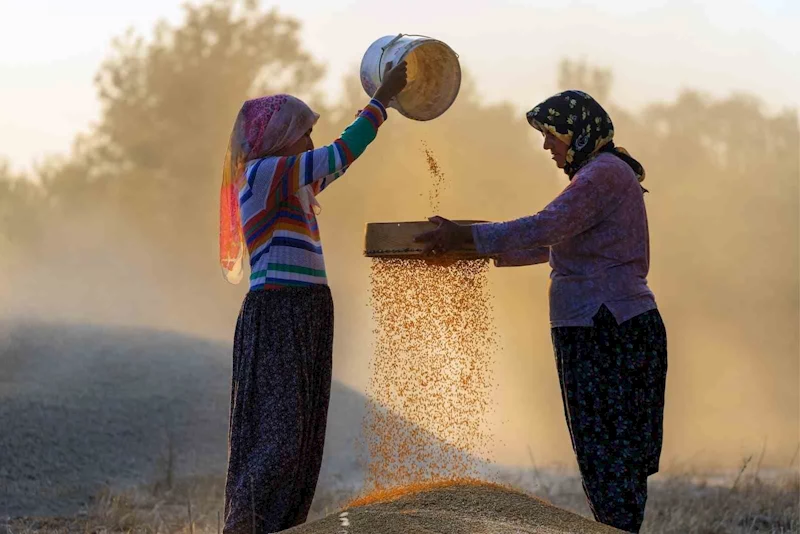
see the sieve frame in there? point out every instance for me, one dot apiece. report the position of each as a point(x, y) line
point(395, 240)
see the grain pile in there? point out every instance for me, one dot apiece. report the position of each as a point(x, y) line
point(431, 371)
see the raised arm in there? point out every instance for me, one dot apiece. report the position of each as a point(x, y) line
point(277, 178)
point(353, 142)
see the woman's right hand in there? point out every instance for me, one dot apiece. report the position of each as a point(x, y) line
point(394, 81)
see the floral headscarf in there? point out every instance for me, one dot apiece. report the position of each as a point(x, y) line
point(263, 127)
point(581, 123)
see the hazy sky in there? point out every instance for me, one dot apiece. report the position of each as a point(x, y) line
point(50, 50)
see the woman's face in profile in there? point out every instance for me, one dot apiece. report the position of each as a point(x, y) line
point(557, 148)
point(304, 144)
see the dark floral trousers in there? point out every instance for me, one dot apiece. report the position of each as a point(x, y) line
point(282, 363)
point(613, 379)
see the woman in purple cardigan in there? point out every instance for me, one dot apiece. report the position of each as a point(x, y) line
point(610, 342)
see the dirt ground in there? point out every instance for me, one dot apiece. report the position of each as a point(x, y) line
point(118, 430)
point(88, 408)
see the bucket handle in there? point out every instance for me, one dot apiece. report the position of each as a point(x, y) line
point(397, 38)
point(383, 51)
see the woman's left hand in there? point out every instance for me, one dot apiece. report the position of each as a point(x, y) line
point(446, 237)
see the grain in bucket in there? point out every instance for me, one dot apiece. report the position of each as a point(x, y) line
point(434, 74)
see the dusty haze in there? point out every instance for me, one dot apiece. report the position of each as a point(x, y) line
point(123, 228)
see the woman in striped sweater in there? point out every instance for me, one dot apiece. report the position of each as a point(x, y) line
point(282, 353)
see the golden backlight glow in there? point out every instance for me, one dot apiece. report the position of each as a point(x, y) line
point(123, 228)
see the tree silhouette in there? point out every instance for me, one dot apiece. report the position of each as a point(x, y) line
point(169, 105)
point(149, 171)
point(133, 209)
point(20, 201)
point(581, 75)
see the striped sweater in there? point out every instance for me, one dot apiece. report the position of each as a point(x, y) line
point(282, 238)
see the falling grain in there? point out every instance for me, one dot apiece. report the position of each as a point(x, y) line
point(437, 176)
point(431, 372)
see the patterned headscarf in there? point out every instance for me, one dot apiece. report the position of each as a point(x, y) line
point(263, 127)
point(583, 125)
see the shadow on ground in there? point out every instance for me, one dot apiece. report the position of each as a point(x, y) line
point(85, 407)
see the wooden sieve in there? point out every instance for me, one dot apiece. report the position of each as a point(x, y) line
point(396, 240)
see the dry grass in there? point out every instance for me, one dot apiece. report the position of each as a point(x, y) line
point(193, 505)
point(682, 503)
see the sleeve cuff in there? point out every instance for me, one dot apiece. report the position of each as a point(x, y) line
point(375, 113)
point(377, 104)
point(484, 236)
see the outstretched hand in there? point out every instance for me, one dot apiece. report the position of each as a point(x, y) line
point(447, 236)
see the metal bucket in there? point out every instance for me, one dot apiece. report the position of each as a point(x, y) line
point(434, 74)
